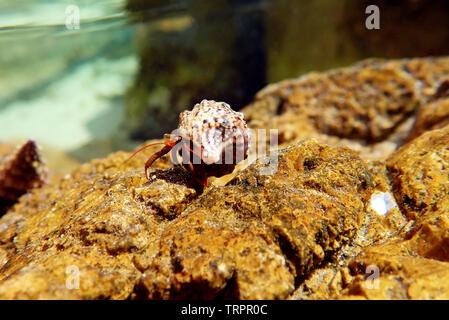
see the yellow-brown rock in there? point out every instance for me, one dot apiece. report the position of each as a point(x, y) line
point(434, 115)
point(400, 277)
point(365, 107)
point(257, 236)
point(367, 196)
point(126, 237)
point(414, 263)
point(420, 172)
point(91, 223)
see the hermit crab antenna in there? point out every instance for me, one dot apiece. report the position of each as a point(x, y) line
point(188, 148)
point(143, 148)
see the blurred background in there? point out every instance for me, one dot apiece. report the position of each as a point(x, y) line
point(85, 78)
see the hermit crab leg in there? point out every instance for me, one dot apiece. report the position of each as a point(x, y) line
point(169, 144)
point(197, 171)
point(156, 156)
point(198, 174)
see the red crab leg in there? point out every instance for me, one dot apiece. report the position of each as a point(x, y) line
point(169, 144)
point(157, 155)
point(198, 174)
point(197, 171)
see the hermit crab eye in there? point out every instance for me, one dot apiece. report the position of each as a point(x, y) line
point(172, 137)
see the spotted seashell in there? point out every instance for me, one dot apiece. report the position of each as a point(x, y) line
point(215, 127)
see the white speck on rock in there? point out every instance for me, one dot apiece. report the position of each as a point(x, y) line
point(382, 202)
point(222, 268)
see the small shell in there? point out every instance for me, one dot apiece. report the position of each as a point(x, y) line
point(20, 172)
point(215, 127)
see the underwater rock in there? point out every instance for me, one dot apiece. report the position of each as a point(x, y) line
point(291, 52)
point(20, 171)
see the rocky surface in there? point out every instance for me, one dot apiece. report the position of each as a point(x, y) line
point(254, 238)
point(414, 263)
point(369, 107)
point(353, 205)
point(433, 115)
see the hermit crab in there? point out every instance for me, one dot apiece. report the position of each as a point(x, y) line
point(209, 141)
